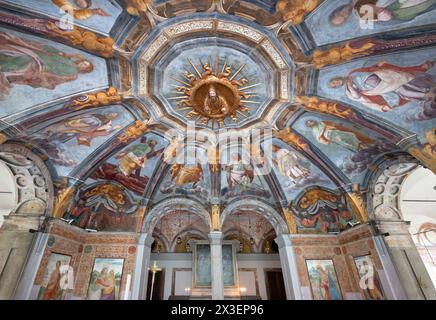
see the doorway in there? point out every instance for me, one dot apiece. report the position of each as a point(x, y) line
point(159, 285)
point(275, 286)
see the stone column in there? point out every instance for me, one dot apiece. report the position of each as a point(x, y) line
point(140, 277)
point(289, 267)
point(407, 262)
point(216, 259)
point(27, 279)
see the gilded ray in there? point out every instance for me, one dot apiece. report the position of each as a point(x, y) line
point(195, 68)
point(237, 72)
point(214, 95)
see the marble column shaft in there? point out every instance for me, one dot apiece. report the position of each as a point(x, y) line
point(216, 256)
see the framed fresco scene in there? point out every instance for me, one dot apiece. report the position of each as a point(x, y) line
point(369, 280)
point(53, 285)
point(105, 279)
point(323, 280)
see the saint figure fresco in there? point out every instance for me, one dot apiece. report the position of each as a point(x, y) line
point(323, 280)
point(34, 64)
point(290, 165)
point(83, 129)
point(382, 10)
point(384, 86)
point(239, 173)
point(329, 132)
point(80, 9)
point(57, 267)
point(369, 280)
point(105, 279)
point(134, 158)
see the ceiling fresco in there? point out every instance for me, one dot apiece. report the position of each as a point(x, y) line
point(108, 92)
point(336, 21)
point(97, 15)
point(66, 72)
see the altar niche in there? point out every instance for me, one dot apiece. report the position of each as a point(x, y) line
point(202, 273)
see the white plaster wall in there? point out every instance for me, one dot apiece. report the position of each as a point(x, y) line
point(260, 262)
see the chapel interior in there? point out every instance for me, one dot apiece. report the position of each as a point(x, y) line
point(217, 149)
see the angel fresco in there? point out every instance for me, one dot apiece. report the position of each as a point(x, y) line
point(290, 165)
point(82, 128)
point(80, 9)
point(384, 86)
point(329, 132)
point(130, 163)
point(134, 158)
point(34, 64)
point(186, 179)
point(322, 210)
point(382, 10)
point(181, 174)
point(239, 173)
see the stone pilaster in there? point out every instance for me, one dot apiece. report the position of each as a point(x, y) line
point(289, 267)
point(140, 277)
point(406, 260)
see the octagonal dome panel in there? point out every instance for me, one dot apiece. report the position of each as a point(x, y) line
point(216, 71)
point(252, 73)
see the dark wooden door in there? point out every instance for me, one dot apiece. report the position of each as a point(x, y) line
point(158, 289)
point(275, 287)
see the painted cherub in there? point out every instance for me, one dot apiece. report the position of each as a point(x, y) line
point(135, 7)
point(295, 11)
point(87, 39)
point(105, 98)
point(80, 9)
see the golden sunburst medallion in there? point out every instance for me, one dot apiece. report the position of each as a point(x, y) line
point(213, 93)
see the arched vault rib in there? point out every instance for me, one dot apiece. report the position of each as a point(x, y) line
point(259, 207)
point(174, 204)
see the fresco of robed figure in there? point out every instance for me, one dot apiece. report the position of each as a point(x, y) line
point(26, 62)
point(323, 280)
point(382, 10)
point(385, 86)
point(340, 20)
point(34, 71)
point(329, 132)
point(96, 15)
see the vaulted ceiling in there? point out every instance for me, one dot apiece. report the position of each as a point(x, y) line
point(107, 91)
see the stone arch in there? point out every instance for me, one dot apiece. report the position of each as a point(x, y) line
point(269, 237)
point(184, 233)
point(162, 241)
point(30, 180)
point(170, 205)
point(32, 202)
point(242, 237)
point(272, 215)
